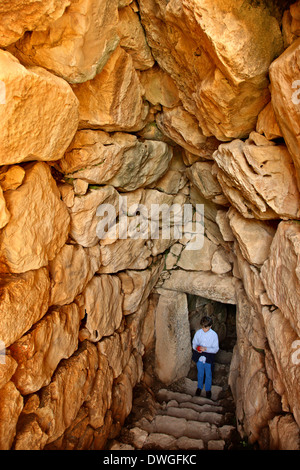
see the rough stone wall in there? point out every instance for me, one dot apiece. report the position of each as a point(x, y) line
point(164, 102)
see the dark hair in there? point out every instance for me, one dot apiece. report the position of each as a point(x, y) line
point(206, 321)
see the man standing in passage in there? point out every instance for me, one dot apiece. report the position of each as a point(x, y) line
point(206, 342)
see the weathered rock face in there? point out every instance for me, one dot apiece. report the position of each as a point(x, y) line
point(259, 180)
point(35, 233)
point(38, 353)
point(113, 100)
point(24, 300)
point(78, 44)
point(121, 121)
point(222, 71)
point(119, 159)
point(285, 98)
point(18, 17)
point(177, 362)
point(28, 134)
point(283, 259)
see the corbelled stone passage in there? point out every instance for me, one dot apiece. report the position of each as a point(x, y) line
point(224, 323)
point(121, 119)
point(168, 416)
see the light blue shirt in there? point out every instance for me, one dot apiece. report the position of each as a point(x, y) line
point(208, 339)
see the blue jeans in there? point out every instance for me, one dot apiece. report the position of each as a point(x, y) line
point(208, 375)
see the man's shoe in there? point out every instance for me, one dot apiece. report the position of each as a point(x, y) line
point(208, 394)
point(198, 392)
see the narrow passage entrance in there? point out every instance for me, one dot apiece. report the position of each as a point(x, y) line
point(224, 323)
point(170, 416)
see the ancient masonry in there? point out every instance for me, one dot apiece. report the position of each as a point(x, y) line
point(183, 103)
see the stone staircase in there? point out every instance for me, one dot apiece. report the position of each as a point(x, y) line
point(176, 419)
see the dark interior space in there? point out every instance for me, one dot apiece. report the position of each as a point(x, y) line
point(224, 323)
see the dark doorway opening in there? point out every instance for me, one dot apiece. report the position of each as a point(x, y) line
point(224, 323)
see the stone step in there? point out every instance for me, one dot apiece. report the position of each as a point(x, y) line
point(183, 421)
point(180, 427)
point(216, 445)
point(199, 408)
point(160, 441)
point(189, 387)
point(191, 415)
point(164, 395)
point(138, 438)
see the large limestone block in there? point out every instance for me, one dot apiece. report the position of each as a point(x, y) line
point(200, 174)
point(101, 435)
point(249, 322)
point(113, 100)
point(48, 414)
point(221, 262)
point(210, 208)
point(171, 182)
point(18, 17)
point(135, 324)
point(126, 244)
point(284, 76)
point(117, 349)
point(38, 228)
point(258, 180)
point(125, 254)
point(280, 273)
point(133, 40)
point(70, 271)
point(159, 87)
point(122, 397)
point(39, 351)
point(251, 388)
point(24, 300)
point(218, 55)
point(147, 337)
point(95, 155)
point(198, 260)
point(101, 307)
point(142, 165)
point(275, 377)
point(137, 285)
point(204, 284)
point(78, 44)
point(254, 236)
point(175, 179)
point(78, 436)
point(7, 366)
point(11, 177)
point(99, 399)
point(224, 226)
point(284, 433)
point(120, 160)
point(267, 123)
point(284, 345)
point(291, 24)
point(84, 215)
point(162, 217)
point(11, 404)
point(252, 282)
point(183, 128)
point(4, 213)
point(40, 115)
point(173, 341)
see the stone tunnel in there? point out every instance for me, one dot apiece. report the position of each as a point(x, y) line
point(116, 114)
